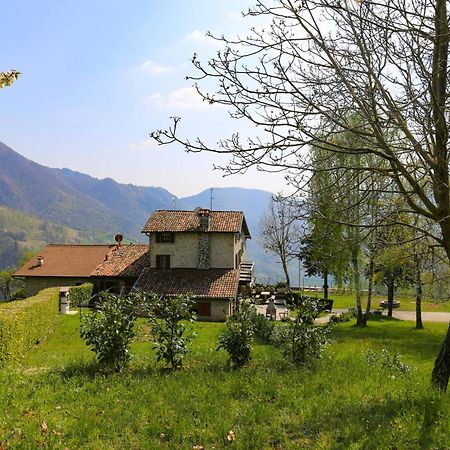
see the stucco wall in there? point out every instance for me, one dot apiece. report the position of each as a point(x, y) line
point(222, 250)
point(35, 284)
point(220, 310)
point(183, 252)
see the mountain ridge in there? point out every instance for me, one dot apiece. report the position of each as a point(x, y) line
point(81, 202)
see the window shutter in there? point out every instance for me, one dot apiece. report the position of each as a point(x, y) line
point(172, 237)
point(158, 237)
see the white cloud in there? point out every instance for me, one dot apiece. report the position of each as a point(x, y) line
point(180, 99)
point(154, 68)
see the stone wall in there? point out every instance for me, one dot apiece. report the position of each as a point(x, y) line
point(203, 251)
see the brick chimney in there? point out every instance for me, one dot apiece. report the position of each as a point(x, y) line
point(40, 261)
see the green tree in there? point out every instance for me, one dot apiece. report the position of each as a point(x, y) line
point(9, 283)
point(299, 85)
point(168, 319)
point(110, 330)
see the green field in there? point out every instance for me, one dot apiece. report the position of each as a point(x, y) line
point(340, 403)
point(347, 300)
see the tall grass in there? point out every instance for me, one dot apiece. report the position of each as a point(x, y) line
point(339, 403)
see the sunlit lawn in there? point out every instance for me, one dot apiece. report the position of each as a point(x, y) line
point(347, 300)
point(340, 403)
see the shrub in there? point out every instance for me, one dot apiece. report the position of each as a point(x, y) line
point(237, 339)
point(341, 317)
point(80, 295)
point(300, 340)
point(385, 361)
point(24, 323)
point(109, 331)
point(19, 294)
point(263, 327)
point(167, 317)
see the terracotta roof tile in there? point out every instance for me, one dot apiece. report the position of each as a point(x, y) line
point(213, 283)
point(66, 261)
point(183, 221)
point(126, 261)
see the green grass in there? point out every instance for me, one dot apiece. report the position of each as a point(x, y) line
point(340, 403)
point(347, 300)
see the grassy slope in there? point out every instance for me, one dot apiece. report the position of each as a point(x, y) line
point(340, 403)
point(32, 233)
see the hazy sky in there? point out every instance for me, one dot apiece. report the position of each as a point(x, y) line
point(99, 75)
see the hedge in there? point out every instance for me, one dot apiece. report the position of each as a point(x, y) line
point(24, 323)
point(80, 295)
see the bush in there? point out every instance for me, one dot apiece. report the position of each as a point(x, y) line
point(109, 331)
point(237, 339)
point(300, 340)
point(19, 294)
point(24, 323)
point(385, 361)
point(263, 327)
point(80, 295)
point(167, 317)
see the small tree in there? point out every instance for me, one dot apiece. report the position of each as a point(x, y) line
point(9, 283)
point(168, 318)
point(109, 331)
point(300, 340)
point(237, 338)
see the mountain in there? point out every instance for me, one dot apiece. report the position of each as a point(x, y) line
point(68, 206)
point(21, 233)
point(74, 199)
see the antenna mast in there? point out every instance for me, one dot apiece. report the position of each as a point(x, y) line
point(211, 198)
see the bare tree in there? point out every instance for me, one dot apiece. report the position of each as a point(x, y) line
point(277, 233)
point(301, 77)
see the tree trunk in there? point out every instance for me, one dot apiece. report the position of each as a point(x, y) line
point(370, 287)
point(325, 285)
point(391, 288)
point(418, 289)
point(286, 273)
point(441, 369)
point(360, 319)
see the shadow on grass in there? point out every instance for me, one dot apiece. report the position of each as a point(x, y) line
point(380, 424)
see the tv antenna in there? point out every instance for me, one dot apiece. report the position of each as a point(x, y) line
point(211, 198)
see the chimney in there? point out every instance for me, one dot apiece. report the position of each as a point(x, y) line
point(203, 257)
point(40, 261)
point(204, 217)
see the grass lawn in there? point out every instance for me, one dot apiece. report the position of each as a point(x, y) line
point(347, 300)
point(340, 403)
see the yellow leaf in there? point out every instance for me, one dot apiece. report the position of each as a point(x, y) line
point(231, 436)
point(44, 427)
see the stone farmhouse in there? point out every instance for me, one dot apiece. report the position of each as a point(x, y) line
point(200, 252)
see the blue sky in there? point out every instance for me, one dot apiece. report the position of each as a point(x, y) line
point(99, 75)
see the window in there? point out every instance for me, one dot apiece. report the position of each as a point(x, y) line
point(163, 261)
point(165, 237)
